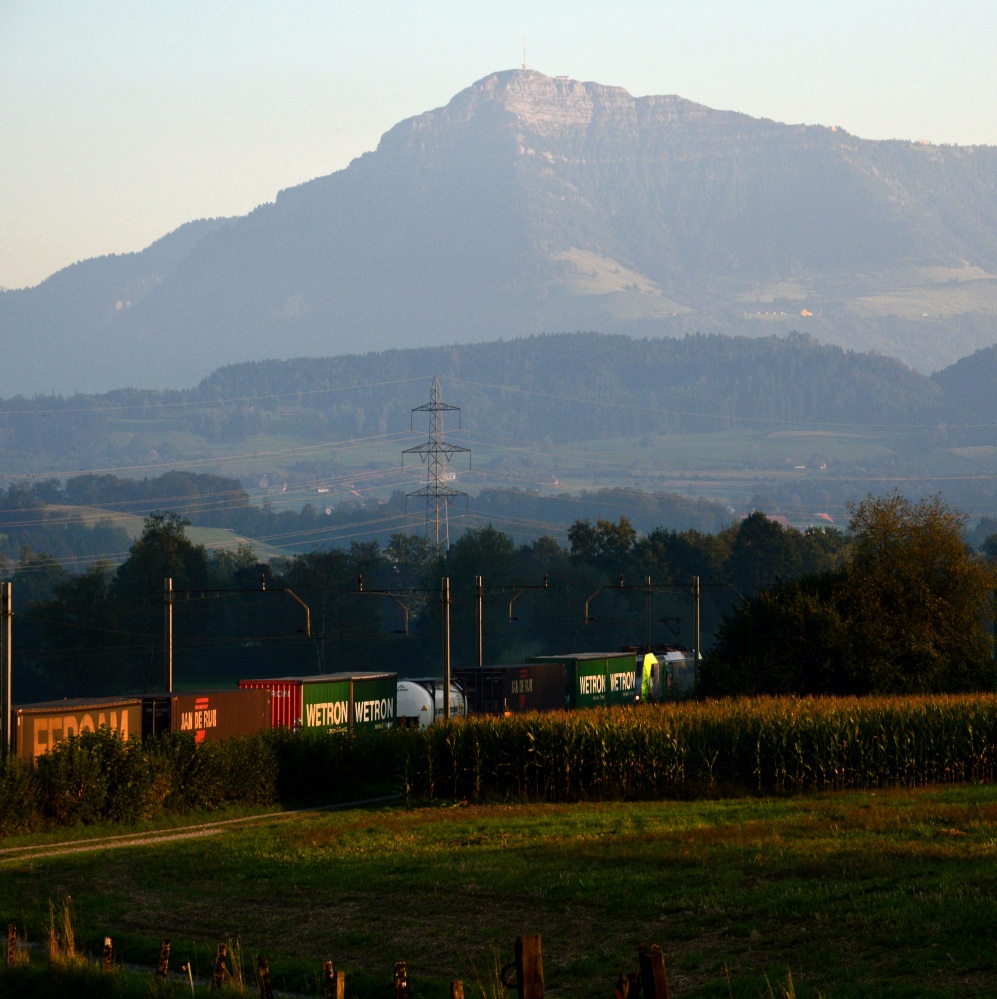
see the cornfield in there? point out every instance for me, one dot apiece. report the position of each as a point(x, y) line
point(689, 749)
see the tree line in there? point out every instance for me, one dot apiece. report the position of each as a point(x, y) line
point(101, 631)
point(899, 603)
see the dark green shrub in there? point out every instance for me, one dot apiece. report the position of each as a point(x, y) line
point(249, 766)
point(189, 777)
point(129, 779)
point(92, 777)
point(196, 778)
point(18, 809)
point(71, 783)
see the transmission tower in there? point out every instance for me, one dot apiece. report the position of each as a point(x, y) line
point(436, 454)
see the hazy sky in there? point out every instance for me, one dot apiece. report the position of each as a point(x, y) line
point(122, 119)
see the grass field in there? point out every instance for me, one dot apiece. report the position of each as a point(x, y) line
point(132, 524)
point(727, 466)
point(891, 894)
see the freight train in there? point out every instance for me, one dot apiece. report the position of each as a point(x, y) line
point(207, 715)
point(334, 702)
point(352, 702)
point(551, 683)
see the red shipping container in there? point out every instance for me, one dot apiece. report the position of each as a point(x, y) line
point(285, 700)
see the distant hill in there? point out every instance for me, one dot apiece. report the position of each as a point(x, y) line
point(528, 205)
point(969, 388)
point(558, 388)
point(592, 386)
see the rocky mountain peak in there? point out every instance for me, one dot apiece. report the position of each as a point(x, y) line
point(523, 99)
point(528, 102)
point(543, 103)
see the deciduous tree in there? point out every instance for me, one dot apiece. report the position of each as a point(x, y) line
point(909, 612)
point(919, 599)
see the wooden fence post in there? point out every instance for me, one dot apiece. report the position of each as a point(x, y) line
point(333, 982)
point(163, 968)
point(401, 980)
point(263, 970)
point(105, 958)
point(219, 976)
point(11, 945)
point(652, 971)
point(529, 967)
point(625, 983)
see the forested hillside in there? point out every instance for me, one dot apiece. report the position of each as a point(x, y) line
point(562, 388)
point(587, 386)
point(782, 423)
point(970, 402)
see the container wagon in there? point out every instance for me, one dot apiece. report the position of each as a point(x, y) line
point(510, 689)
point(39, 727)
point(331, 702)
point(209, 715)
point(420, 701)
point(598, 679)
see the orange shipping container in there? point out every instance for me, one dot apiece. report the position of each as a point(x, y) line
point(39, 727)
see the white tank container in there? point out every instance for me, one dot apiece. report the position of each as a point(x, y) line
point(422, 700)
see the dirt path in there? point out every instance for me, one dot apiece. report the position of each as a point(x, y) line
point(12, 854)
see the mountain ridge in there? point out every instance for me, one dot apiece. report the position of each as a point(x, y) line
point(532, 204)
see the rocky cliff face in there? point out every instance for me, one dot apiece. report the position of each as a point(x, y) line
point(534, 204)
point(553, 107)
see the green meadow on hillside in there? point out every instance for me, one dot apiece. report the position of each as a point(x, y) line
point(889, 893)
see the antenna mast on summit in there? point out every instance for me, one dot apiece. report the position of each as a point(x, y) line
point(524, 51)
point(436, 453)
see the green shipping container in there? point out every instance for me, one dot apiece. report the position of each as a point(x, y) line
point(325, 705)
point(331, 702)
point(374, 697)
point(588, 681)
point(623, 681)
point(598, 679)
